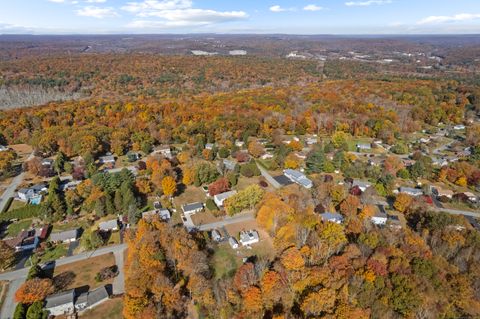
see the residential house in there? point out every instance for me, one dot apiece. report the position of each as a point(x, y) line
point(67, 236)
point(440, 192)
point(266, 156)
point(216, 236)
point(3, 148)
point(239, 143)
point(298, 177)
point(220, 198)
point(361, 185)
point(439, 162)
point(229, 165)
point(380, 218)
point(47, 162)
point(408, 162)
point(162, 213)
point(332, 217)
point(107, 160)
point(394, 222)
point(133, 156)
point(471, 197)
point(164, 150)
point(411, 191)
point(233, 242)
point(424, 140)
point(33, 192)
point(209, 146)
point(61, 304)
point(25, 240)
point(109, 225)
point(249, 237)
point(311, 140)
point(91, 299)
point(459, 127)
point(190, 209)
point(363, 147)
point(69, 185)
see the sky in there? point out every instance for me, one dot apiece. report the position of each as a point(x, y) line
point(240, 16)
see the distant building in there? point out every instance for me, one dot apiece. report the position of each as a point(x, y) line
point(411, 191)
point(364, 147)
point(209, 146)
point(220, 198)
point(3, 148)
point(107, 159)
point(440, 192)
point(237, 52)
point(47, 162)
point(163, 150)
point(459, 127)
point(380, 218)
point(233, 242)
point(239, 143)
point(61, 304)
point(361, 185)
point(298, 177)
point(190, 209)
point(230, 165)
point(249, 237)
point(332, 217)
point(67, 236)
point(311, 140)
point(162, 213)
point(109, 225)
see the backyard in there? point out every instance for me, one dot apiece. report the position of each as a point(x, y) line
point(111, 309)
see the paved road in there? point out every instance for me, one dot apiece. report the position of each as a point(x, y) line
point(228, 221)
point(119, 281)
point(269, 177)
point(10, 190)
point(17, 277)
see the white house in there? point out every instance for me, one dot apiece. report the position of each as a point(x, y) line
point(109, 225)
point(239, 143)
point(61, 304)
point(220, 198)
point(27, 194)
point(107, 159)
point(311, 140)
point(444, 192)
point(249, 237)
point(162, 213)
point(233, 242)
point(190, 209)
point(471, 197)
point(298, 177)
point(3, 148)
point(411, 191)
point(332, 217)
point(209, 146)
point(379, 218)
point(459, 127)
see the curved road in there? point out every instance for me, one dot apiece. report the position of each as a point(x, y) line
point(10, 190)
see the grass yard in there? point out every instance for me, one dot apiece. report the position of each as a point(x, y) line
point(16, 204)
point(77, 223)
point(204, 218)
point(14, 229)
point(55, 253)
point(111, 309)
point(86, 270)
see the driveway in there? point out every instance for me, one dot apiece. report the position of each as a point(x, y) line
point(269, 177)
point(72, 247)
point(228, 221)
point(119, 281)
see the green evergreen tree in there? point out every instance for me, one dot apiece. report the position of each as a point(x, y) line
point(20, 312)
point(59, 163)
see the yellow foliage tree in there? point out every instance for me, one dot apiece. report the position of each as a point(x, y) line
point(188, 176)
point(169, 186)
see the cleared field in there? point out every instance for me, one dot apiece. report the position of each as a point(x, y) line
point(86, 270)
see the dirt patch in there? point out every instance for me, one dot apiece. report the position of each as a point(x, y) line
point(85, 271)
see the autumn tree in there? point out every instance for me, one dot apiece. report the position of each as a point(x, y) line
point(402, 202)
point(245, 199)
point(34, 290)
point(221, 185)
point(7, 255)
point(188, 176)
point(256, 149)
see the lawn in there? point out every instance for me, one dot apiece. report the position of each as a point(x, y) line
point(111, 309)
point(14, 229)
point(86, 270)
point(77, 223)
point(16, 204)
point(55, 253)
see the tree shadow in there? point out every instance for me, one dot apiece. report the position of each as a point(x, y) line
point(63, 280)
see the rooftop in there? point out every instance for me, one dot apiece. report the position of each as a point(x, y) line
point(60, 299)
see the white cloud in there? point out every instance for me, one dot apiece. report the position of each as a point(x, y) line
point(96, 1)
point(57, 1)
point(176, 13)
point(97, 12)
point(445, 19)
point(312, 7)
point(367, 3)
point(278, 8)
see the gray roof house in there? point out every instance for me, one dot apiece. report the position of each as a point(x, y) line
point(92, 298)
point(109, 225)
point(298, 177)
point(380, 218)
point(107, 159)
point(209, 146)
point(249, 237)
point(220, 198)
point(162, 213)
point(61, 304)
point(364, 146)
point(233, 242)
point(230, 165)
point(411, 191)
point(361, 185)
point(67, 236)
point(192, 208)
